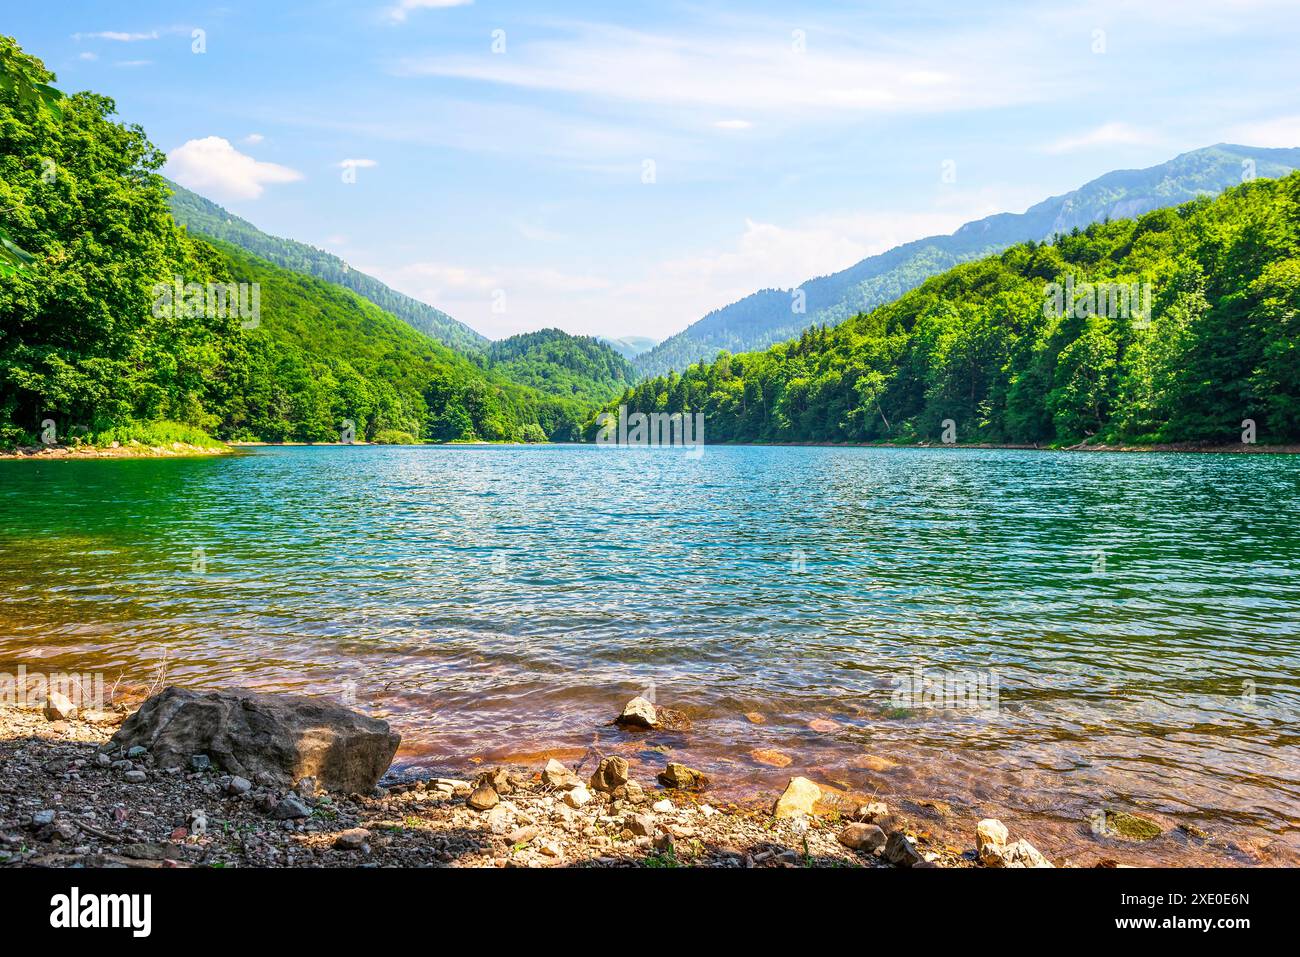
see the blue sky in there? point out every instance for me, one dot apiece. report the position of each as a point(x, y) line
point(621, 169)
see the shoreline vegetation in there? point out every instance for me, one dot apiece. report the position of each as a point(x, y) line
point(134, 449)
point(182, 782)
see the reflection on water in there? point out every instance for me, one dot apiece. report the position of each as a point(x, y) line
point(1136, 615)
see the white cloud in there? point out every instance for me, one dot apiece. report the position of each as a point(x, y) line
point(755, 72)
point(734, 125)
point(216, 169)
point(404, 8)
point(87, 56)
point(132, 64)
point(254, 138)
point(358, 164)
point(1108, 134)
point(1281, 131)
point(117, 36)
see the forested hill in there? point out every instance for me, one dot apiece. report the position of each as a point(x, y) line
point(556, 363)
point(768, 316)
point(323, 354)
point(998, 347)
point(206, 218)
point(87, 244)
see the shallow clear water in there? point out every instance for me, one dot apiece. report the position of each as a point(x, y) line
point(1140, 614)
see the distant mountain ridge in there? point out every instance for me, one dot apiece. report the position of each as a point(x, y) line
point(768, 316)
point(629, 347)
point(205, 217)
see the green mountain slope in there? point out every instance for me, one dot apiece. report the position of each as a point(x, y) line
point(768, 316)
point(92, 337)
point(558, 364)
point(322, 353)
point(996, 351)
point(204, 217)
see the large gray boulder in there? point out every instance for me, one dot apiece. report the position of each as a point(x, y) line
point(289, 737)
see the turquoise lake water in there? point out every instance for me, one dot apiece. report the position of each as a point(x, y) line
point(1131, 621)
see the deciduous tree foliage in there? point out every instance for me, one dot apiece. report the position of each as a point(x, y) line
point(982, 345)
point(81, 342)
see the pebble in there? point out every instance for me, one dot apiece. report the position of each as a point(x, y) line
point(289, 808)
point(578, 797)
point(483, 798)
point(352, 839)
point(238, 785)
point(135, 777)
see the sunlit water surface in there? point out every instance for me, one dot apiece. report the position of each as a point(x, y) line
point(1140, 614)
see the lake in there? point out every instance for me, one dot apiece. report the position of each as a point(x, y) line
point(1099, 631)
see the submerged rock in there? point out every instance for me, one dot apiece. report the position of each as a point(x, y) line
point(1131, 827)
point(771, 757)
point(286, 737)
point(798, 799)
point(680, 776)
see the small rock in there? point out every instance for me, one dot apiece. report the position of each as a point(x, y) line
point(352, 839)
point(42, 818)
point(799, 797)
point(524, 835)
point(136, 752)
point(290, 807)
point(559, 777)
point(862, 837)
point(900, 851)
point(483, 798)
point(680, 776)
point(663, 807)
point(1131, 826)
point(632, 792)
point(1024, 854)
point(990, 841)
point(873, 812)
point(642, 825)
point(771, 757)
point(200, 762)
point(103, 760)
point(307, 788)
point(134, 777)
point(238, 786)
point(578, 797)
point(611, 773)
point(58, 707)
point(499, 779)
point(638, 713)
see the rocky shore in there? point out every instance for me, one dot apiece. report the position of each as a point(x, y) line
point(104, 789)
